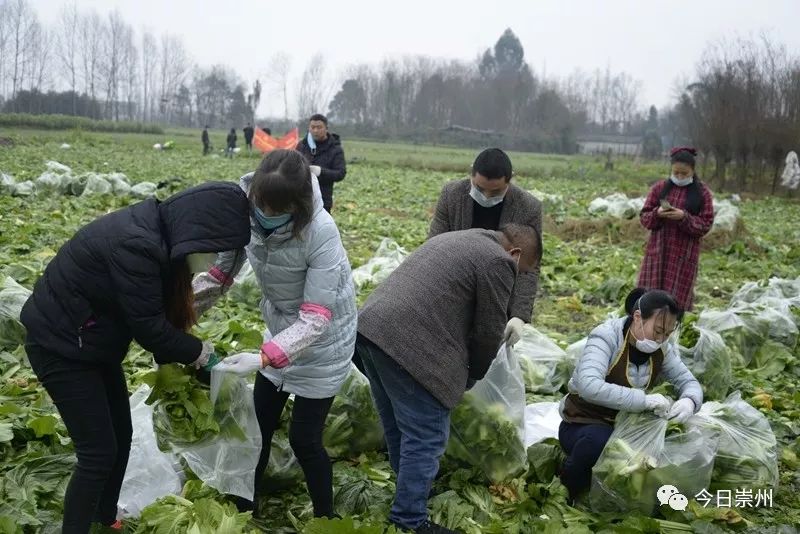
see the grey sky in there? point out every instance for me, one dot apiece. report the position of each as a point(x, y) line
point(656, 41)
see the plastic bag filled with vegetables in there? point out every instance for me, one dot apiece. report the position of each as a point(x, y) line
point(12, 298)
point(353, 425)
point(644, 453)
point(710, 361)
point(747, 454)
point(546, 367)
point(742, 332)
point(386, 259)
point(487, 428)
point(183, 413)
point(227, 461)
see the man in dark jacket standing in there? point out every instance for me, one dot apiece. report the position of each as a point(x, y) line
point(324, 149)
point(489, 200)
point(205, 140)
point(425, 335)
point(120, 278)
point(248, 136)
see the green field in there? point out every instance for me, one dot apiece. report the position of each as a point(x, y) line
point(390, 191)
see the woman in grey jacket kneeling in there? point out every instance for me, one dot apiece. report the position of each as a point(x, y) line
point(623, 358)
point(308, 303)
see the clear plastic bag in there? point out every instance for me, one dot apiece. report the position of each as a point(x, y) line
point(726, 215)
point(710, 360)
point(150, 474)
point(96, 185)
point(742, 332)
point(546, 367)
point(542, 420)
point(353, 425)
point(227, 461)
point(487, 428)
point(24, 189)
point(7, 184)
point(12, 298)
point(245, 287)
point(144, 190)
point(747, 452)
point(641, 456)
point(386, 259)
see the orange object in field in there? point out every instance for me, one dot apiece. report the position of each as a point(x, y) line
point(265, 143)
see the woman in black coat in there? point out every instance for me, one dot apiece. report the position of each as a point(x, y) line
point(124, 276)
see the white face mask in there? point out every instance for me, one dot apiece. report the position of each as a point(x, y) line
point(201, 262)
point(648, 346)
point(681, 182)
point(483, 200)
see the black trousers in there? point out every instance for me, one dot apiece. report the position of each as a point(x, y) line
point(305, 438)
point(93, 402)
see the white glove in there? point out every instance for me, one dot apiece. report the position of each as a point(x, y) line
point(513, 331)
point(242, 363)
point(658, 403)
point(682, 410)
point(206, 355)
point(207, 290)
point(316, 170)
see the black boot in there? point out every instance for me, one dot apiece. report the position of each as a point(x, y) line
point(429, 527)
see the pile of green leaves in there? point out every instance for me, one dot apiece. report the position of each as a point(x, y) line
point(193, 514)
point(353, 426)
point(484, 436)
point(182, 410)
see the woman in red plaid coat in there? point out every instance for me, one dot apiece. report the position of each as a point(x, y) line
point(678, 212)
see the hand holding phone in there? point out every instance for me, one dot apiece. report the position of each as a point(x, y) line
point(665, 205)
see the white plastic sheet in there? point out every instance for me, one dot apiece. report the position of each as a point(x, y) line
point(542, 420)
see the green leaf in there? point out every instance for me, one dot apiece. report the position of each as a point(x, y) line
point(44, 425)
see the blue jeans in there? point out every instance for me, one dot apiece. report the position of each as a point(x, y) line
point(583, 444)
point(416, 426)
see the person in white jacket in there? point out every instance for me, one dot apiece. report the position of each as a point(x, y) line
point(623, 358)
point(309, 306)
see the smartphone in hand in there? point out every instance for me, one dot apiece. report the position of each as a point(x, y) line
point(665, 205)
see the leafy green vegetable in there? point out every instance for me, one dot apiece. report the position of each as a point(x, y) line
point(353, 426)
point(483, 436)
point(182, 410)
point(710, 361)
point(177, 515)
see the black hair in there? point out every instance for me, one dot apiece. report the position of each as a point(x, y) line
point(267, 131)
point(526, 238)
point(494, 164)
point(651, 302)
point(233, 130)
point(283, 182)
point(694, 194)
point(319, 117)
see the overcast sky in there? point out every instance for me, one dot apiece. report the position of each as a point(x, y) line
point(656, 41)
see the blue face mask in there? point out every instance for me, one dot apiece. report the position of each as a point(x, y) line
point(270, 223)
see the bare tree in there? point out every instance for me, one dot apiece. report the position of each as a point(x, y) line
point(92, 33)
point(311, 87)
point(67, 50)
point(172, 69)
point(149, 62)
point(113, 48)
point(39, 53)
point(280, 67)
point(22, 20)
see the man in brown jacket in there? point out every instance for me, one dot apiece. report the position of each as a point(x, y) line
point(425, 335)
point(489, 200)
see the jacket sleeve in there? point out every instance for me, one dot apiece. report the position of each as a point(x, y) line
point(676, 373)
point(590, 376)
point(649, 214)
point(325, 259)
point(336, 171)
point(527, 284)
point(700, 224)
point(493, 293)
point(136, 277)
point(441, 221)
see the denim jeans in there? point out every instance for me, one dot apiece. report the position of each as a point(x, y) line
point(583, 444)
point(416, 426)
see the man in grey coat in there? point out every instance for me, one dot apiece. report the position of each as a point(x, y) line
point(489, 200)
point(425, 335)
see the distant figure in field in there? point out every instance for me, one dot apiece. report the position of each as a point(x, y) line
point(248, 137)
point(231, 143)
point(205, 140)
point(324, 150)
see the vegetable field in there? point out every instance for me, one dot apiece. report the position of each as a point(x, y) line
point(589, 265)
